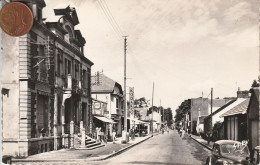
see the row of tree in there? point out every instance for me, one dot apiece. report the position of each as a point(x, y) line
point(165, 112)
point(182, 110)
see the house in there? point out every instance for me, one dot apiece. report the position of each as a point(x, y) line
point(202, 107)
point(48, 77)
point(213, 118)
point(101, 119)
point(235, 121)
point(109, 91)
point(253, 116)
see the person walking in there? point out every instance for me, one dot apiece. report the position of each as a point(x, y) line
point(114, 135)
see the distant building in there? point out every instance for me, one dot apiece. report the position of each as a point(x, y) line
point(202, 107)
point(109, 91)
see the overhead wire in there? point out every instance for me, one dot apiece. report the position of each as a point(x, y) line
point(106, 14)
point(118, 27)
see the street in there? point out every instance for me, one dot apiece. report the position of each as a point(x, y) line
point(163, 149)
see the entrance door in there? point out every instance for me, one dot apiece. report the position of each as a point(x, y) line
point(67, 111)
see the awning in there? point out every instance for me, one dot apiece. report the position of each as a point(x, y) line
point(138, 121)
point(104, 119)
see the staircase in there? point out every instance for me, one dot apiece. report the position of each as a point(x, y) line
point(90, 142)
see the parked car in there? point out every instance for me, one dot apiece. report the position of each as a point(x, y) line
point(256, 155)
point(229, 152)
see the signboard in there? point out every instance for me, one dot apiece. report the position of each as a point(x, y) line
point(131, 100)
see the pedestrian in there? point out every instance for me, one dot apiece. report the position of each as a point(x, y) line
point(183, 134)
point(167, 129)
point(208, 134)
point(114, 135)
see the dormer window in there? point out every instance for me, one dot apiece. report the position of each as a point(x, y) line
point(69, 35)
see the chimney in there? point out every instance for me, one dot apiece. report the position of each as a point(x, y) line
point(242, 94)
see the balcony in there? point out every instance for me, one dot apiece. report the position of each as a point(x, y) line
point(76, 86)
point(67, 82)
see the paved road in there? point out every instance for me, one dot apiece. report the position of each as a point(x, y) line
point(163, 149)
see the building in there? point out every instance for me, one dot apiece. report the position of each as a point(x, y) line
point(48, 77)
point(213, 118)
point(109, 91)
point(101, 119)
point(235, 122)
point(253, 116)
point(202, 107)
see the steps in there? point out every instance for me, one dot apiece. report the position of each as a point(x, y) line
point(89, 142)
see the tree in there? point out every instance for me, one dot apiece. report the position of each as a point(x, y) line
point(255, 84)
point(142, 102)
point(182, 110)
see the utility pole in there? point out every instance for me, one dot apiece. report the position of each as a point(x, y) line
point(125, 102)
point(152, 109)
point(211, 100)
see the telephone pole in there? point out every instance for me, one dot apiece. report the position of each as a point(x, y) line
point(152, 109)
point(211, 100)
point(125, 102)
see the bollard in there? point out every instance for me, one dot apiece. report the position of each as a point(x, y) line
point(71, 134)
point(83, 139)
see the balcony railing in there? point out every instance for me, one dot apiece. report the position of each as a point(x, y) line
point(67, 81)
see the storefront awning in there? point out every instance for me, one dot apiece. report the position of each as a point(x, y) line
point(138, 121)
point(104, 119)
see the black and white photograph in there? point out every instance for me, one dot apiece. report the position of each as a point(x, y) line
point(130, 82)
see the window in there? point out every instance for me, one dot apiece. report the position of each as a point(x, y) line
point(117, 103)
point(85, 83)
point(42, 115)
point(69, 67)
point(59, 63)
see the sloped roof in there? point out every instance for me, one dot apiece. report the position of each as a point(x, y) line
point(218, 102)
point(106, 85)
point(221, 108)
point(239, 109)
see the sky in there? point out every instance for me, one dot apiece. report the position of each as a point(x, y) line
point(184, 47)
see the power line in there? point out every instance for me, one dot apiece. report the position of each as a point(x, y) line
point(113, 18)
point(105, 12)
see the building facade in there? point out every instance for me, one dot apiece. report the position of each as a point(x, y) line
point(48, 78)
point(109, 91)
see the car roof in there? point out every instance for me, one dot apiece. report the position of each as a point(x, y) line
point(226, 142)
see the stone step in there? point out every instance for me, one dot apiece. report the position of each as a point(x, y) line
point(90, 142)
point(94, 147)
point(93, 144)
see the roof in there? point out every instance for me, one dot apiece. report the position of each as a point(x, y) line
point(239, 109)
point(221, 108)
point(201, 119)
point(218, 102)
point(225, 142)
point(106, 84)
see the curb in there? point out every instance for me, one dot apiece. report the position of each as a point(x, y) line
point(79, 160)
point(122, 150)
point(204, 145)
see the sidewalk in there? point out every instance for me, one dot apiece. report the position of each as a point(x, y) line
point(72, 155)
point(202, 142)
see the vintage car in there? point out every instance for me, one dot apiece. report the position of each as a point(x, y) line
point(229, 152)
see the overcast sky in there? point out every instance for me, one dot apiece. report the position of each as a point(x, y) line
point(185, 47)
